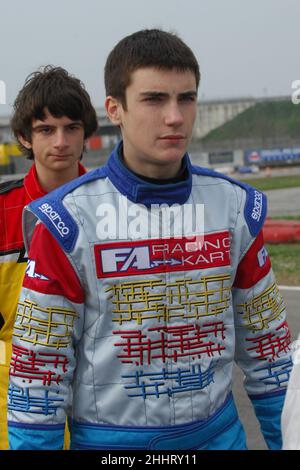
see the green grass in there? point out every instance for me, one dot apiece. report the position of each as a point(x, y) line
point(266, 119)
point(274, 182)
point(285, 259)
point(286, 217)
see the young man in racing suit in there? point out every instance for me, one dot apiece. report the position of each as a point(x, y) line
point(52, 118)
point(132, 313)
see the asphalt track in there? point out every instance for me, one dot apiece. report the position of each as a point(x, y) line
point(283, 202)
point(254, 437)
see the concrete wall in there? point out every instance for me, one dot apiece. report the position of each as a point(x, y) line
point(213, 114)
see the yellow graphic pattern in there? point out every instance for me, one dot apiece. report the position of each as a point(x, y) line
point(48, 326)
point(262, 309)
point(183, 298)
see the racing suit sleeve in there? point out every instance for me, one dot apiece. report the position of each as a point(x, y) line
point(47, 329)
point(262, 337)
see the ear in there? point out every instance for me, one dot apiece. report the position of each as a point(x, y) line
point(24, 142)
point(114, 110)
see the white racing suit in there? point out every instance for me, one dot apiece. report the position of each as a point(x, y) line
point(129, 321)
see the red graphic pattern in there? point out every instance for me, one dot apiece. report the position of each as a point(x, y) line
point(170, 342)
point(269, 346)
point(29, 365)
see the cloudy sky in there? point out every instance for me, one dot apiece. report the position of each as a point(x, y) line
point(244, 47)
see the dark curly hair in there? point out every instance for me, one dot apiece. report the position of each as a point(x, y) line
point(58, 91)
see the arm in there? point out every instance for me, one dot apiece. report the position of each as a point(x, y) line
point(48, 326)
point(12, 268)
point(262, 335)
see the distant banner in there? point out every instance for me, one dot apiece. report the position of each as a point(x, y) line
point(272, 156)
point(220, 157)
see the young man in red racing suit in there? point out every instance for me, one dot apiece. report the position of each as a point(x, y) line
point(52, 118)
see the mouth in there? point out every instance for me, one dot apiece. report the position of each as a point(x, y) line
point(172, 138)
point(59, 156)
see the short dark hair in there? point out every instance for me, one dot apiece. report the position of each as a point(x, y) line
point(146, 48)
point(63, 94)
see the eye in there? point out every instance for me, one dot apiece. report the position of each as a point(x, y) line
point(153, 99)
point(74, 127)
point(45, 130)
point(188, 98)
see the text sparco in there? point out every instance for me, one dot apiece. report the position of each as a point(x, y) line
point(55, 219)
point(257, 209)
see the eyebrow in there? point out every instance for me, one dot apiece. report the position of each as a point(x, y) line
point(42, 126)
point(161, 94)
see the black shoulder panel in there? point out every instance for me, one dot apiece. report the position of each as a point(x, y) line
point(9, 185)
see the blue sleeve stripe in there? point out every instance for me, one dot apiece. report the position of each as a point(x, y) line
point(262, 396)
point(36, 426)
point(268, 410)
point(31, 438)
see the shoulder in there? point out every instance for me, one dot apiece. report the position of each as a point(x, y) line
point(52, 210)
point(8, 186)
point(252, 202)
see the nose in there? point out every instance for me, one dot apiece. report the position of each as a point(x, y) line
point(173, 116)
point(61, 140)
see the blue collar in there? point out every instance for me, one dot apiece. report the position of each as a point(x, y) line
point(142, 192)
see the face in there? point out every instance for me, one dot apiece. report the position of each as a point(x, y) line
point(57, 144)
point(158, 122)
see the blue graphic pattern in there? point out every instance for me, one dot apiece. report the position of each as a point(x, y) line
point(20, 399)
point(276, 373)
point(184, 381)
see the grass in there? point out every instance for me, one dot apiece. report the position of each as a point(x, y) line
point(280, 118)
point(274, 182)
point(286, 217)
point(285, 259)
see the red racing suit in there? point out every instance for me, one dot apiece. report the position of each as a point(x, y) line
point(14, 196)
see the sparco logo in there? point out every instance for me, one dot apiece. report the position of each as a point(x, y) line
point(55, 219)
point(256, 211)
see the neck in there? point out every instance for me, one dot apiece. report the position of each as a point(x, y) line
point(154, 171)
point(51, 180)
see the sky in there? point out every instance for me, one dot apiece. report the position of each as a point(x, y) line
point(244, 48)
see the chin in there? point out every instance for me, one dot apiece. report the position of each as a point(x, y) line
point(173, 156)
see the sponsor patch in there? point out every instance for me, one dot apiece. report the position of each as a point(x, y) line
point(162, 255)
point(55, 219)
point(257, 206)
point(30, 271)
point(262, 256)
